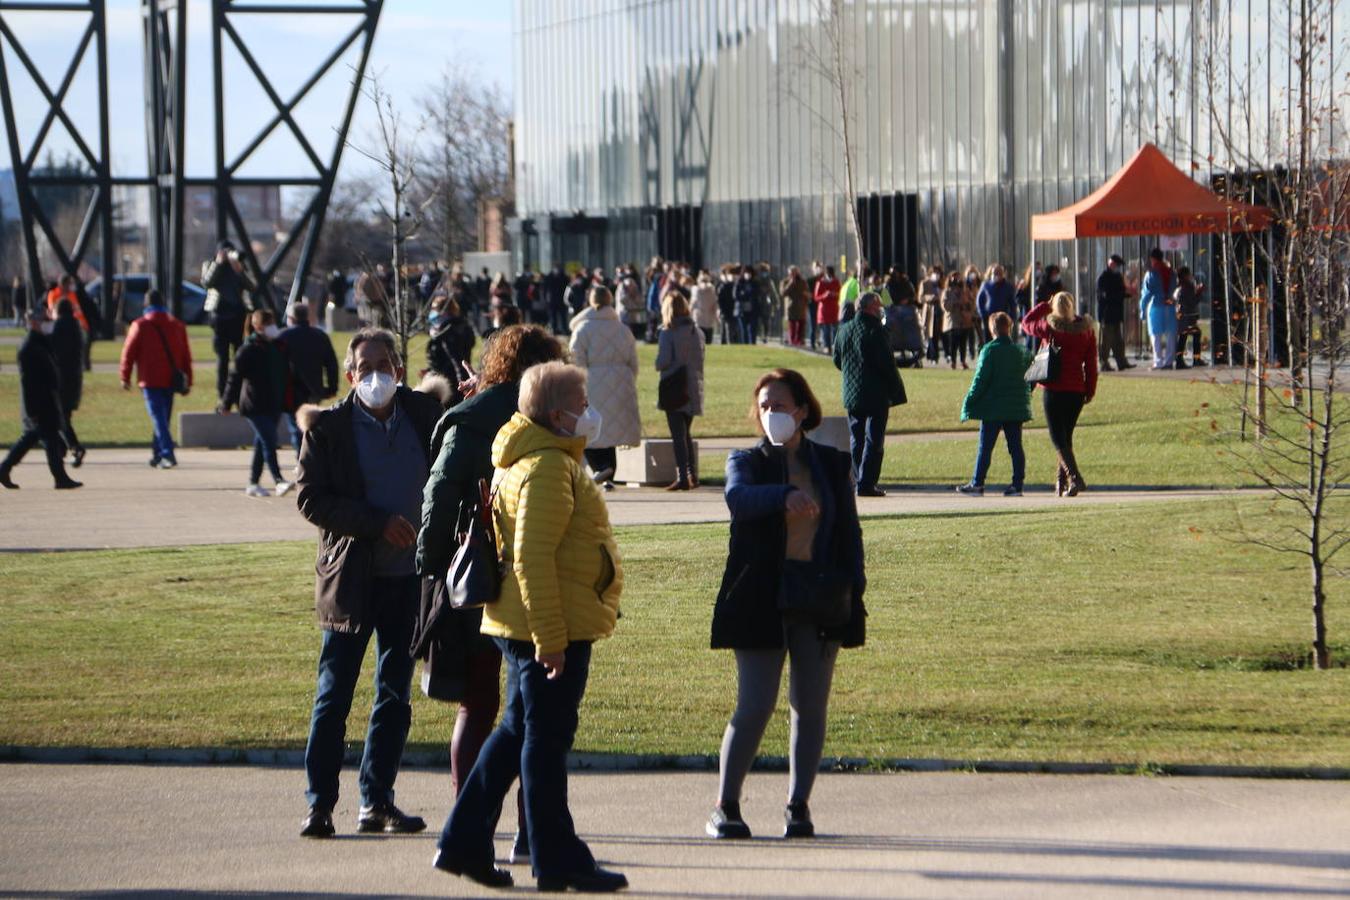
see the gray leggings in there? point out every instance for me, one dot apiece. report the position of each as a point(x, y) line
point(759, 672)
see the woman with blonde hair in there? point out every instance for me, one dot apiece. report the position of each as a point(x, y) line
point(1057, 320)
point(679, 355)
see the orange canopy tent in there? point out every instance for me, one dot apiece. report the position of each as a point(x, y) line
point(1149, 195)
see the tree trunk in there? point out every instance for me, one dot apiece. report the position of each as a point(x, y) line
point(1321, 654)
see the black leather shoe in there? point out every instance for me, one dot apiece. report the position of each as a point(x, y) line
point(79, 458)
point(798, 819)
point(388, 818)
point(871, 492)
point(318, 824)
point(69, 484)
point(7, 481)
point(726, 823)
point(596, 881)
point(485, 874)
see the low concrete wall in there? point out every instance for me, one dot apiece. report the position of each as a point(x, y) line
point(833, 432)
point(213, 431)
point(651, 462)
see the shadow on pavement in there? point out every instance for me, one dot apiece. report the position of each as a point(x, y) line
point(1164, 885)
point(1173, 852)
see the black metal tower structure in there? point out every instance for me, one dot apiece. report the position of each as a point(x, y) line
point(164, 24)
point(92, 149)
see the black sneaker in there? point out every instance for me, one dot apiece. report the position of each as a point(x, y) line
point(388, 818)
point(726, 823)
point(78, 458)
point(154, 462)
point(318, 824)
point(798, 821)
point(1179, 364)
point(1013, 491)
point(485, 874)
point(871, 492)
point(970, 490)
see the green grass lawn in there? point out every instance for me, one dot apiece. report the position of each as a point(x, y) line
point(1140, 431)
point(1133, 635)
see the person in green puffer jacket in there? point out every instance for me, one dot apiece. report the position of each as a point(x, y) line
point(1000, 398)
point(461, 665)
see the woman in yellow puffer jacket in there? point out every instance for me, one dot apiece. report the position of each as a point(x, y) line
point(560, 594)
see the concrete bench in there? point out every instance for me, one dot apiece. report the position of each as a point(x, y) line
point(339, 318)
point(651, 462)
point(213, 431)
point(833, 432)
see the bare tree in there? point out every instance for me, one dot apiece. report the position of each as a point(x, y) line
point(394, 151)
point(1298, 451)
point(825, 54)
point(468, 161)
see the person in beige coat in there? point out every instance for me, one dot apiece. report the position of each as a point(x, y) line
point(954, 314)
point(930, 296)
point(604, 346)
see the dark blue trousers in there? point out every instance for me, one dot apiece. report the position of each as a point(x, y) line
point(867, 441)
point(394, 606)
point(531, 742)
point(988, 439)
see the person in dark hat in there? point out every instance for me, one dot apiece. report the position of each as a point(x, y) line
point(1111, 294)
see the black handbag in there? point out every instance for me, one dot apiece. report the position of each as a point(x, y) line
point(474, 578)
point(1045, 367)
point(179, 379)
point(673, 391)
point(815, 595)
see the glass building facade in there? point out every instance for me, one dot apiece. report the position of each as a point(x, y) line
point(708, 130)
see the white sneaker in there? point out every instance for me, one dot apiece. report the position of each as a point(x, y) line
point(284, 487)
point(603, 475)
point(257, 490)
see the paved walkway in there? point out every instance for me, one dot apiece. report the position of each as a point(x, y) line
point(161, 831)
point(126, 504)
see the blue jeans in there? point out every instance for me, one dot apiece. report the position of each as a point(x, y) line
point(748, 325)
point(264, 448)
point(867, 441)
point(296, 436)
point(827, 335)
point(988, 439)
point(531, 742)
point(159, 403)
point(393, 606)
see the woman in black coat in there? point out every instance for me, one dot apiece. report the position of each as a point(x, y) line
point(68, 346)
point(450, 344)
point(792, 511)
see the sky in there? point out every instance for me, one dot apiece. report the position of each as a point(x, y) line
point(415, 40)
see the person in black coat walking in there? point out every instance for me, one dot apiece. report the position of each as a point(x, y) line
point(39, 404)
point(261, 385)
point(450, 344)
point(69, 347)
point(794, 522)
point(314, 366)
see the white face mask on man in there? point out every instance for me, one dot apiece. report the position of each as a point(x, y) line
point(587, 425)
point(779, 427)
point(376, 389)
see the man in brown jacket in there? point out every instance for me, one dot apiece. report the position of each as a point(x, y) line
point(363, 466)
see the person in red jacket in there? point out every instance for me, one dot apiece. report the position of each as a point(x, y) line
point(827, 307)
point(1075, 384)
point(157, 345)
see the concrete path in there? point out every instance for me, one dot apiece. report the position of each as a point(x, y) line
point(161, 831)
point(126, 504)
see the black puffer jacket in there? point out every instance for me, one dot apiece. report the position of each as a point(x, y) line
point(261, 382)
point(67, 340)
point(39, 385)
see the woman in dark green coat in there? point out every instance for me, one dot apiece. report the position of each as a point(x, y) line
point(1000, 398)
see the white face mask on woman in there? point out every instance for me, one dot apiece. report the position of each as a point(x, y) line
point(587, 425)
point(376, 390)
point(779, 427)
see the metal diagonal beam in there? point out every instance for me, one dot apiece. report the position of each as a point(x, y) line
point(47, 94)
point(271, 95)
point(59, 100)
point(299, 95)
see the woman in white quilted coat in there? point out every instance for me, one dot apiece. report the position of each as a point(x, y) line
point(605, 348)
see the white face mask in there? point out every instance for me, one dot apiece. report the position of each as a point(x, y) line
point(587, 425)
point(376, 389)
point(47, 327)
point(779, 427)
point(271, 332)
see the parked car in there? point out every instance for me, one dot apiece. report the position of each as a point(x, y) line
point(134, 288)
